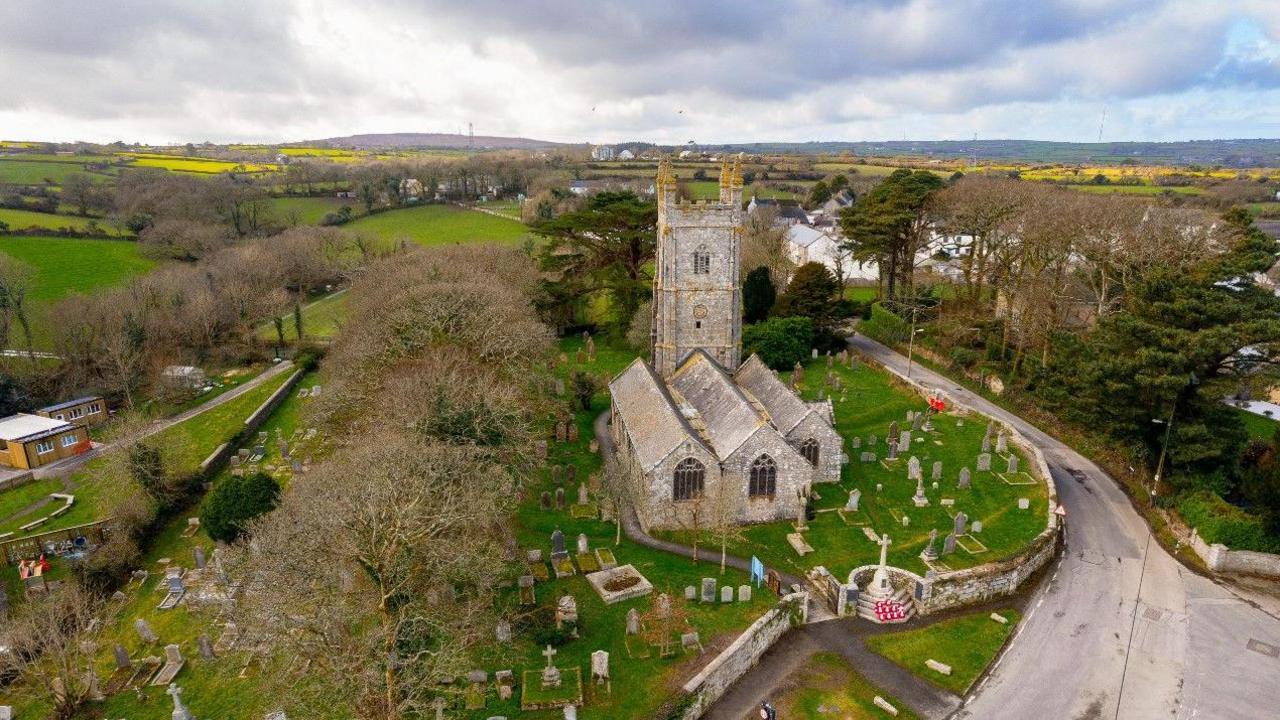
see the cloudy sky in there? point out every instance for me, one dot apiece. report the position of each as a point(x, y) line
point(659, 70)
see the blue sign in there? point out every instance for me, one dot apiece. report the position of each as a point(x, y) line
point(757, 571)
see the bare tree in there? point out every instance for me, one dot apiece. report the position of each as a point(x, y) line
point(764, 244)
point(50, 644)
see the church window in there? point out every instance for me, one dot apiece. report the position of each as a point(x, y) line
point(764, 477)
point(809, 449)
point(701, 262)
point(688, 480)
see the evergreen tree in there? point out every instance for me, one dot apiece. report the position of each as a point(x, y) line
point(812, 293)
point(758, 295)
point(887, 225)
point(234, 502)
point(819, 193)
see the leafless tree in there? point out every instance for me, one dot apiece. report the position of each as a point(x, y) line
point(50, 642)
point(764, 244)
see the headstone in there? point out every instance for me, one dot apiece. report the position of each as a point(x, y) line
point(541, 446)
point(122, 656)
point(557, 545)
point(144, 631)
point(477, 677)
point(851, 505)
point(600, 666)
point(893, 431)
point(879, 487)
point(633, 622)
point(559, 387)
point(931, 550)
point(1013, 464)
point(573, 432)
point(546, 500)
point(975, 527)
point(986, 444)
point(551, 673)
point(505, 682)
point(662, 603)
point(813, 353)
point(206, 646)
point(904, 439)
point(690, 640)
point(594, 446)
point(914, 472)
point(964, 479)
point(571, 473)
point(726, 594)
point(856, 443)
point(560, 498)
point(503, 631)
point(906, 521)
point(984, 462)
point(961, 521)
point(566, 610)
point(583, 499)
point(584, 545)
point(893, 449)
point(949, 544)
point(198, 551)
point(936, 473)
point(708, 589)
point(916, 420)
point(868, 457)
point(562, 431)
point(1024, 504)
point(557, 474)
point(744, 593)
point(180, 711)
point(871, 439)
point(1002, 443)
point(690, 592)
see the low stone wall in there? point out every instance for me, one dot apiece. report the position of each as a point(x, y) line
point(269, 405)
point(218, 457)
point(17, 480)
point(1244, 562)
point(708, 685)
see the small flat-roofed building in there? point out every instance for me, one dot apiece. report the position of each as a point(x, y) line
point(184, 377)
point(31, 441)
point(88, 410)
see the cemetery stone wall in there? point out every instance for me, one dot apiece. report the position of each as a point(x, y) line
point(1221, 559)
point(708, 685)
point(215, 461)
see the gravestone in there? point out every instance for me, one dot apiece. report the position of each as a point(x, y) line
point(690, 592)
point(570, 712)
point(931, 550)
point(964, 479)
point(180, 711)
point(662, 603)
point(144, 631)
point(600, 666)
point(633, 622)
point(856, 443)
point(122, 656)
point(851, 505)
point(550, 673)
point(557, 474)
point(904, 439)
point(503, 631)
point(566, 610)
point(893, 450)
point(708, 589)
point(557, 545)
point(961, 520)
point(562, 431)
point(744, 593)
point(879, 487)
point(986, 444)
point(584, 545)
point(914, 471)
point(571, 473)
point(871, 439)
point(726, 594)
point(206, 647)
point(1013, 464)
point(893, 431)
point(868, 457)
point(546, 500)
point(583, 499)
point(936, 473)
point(984, 462)
point(559, 387)
point(560, 498)
point(690, 640)
point(916, 420)
point(949, 544)
point(1024, 504)
point(1002, 443)
point(573, 432)
point(198, 551)
point(906, 521)
point(975, 527)
point(541, 447)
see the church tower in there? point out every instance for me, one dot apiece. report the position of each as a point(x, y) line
point(697, 290)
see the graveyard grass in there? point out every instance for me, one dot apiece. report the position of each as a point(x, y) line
point(212, 689)
point(640, 686)
point(874, 399)
point(967, 643)
point(439, 225)
point(62, 266)
point(826, 680)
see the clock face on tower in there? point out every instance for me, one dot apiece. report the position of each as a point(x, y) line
point(699, 311)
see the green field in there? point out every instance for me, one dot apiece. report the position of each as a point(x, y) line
point(19, 220)
point(440, 225)
point(1258, 427)
point(826, 688)
point(1137, 189)
point(308, 210)
point(320, 319)
point(968, 644)
point(63, 266)
point(29, 172)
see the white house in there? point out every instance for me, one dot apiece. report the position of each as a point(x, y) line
point(626, 155)
point(602, 152)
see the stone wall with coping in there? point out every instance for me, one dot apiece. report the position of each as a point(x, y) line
point(1219, 558)
point(711, 682)
point(956, 588)
point(218, 457)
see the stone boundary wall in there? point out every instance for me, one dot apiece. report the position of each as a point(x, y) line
point(215, 460)
point(994, 579)
point(17, 480)
point(1245, 562)
point(708, 685)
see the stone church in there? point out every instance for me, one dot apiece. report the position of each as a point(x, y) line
point(699, 433)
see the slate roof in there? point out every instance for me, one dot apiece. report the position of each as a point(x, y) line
point(804, 235)
point(785, 408)
point(650, 414)
point(728, 414)
point(70, 403)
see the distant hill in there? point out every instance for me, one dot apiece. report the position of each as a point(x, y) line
point(431, 140)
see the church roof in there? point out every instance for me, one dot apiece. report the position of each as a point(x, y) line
point(729, 415)
point(652, 419)
point(786, 409)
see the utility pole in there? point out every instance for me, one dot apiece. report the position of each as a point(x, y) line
point(911, 342)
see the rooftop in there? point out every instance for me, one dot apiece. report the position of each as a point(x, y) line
point(70, 403)
point(28, 427)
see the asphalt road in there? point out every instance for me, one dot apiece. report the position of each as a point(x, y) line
point(1119, 629)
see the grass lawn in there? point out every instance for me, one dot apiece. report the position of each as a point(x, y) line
point(440, 225)
point(1258, 427)
point(968, 644)
point(19, 220)
point(320, 319)
point(38, 172)
point(863, 293)
point(873, 400)
point(308, 210)
point(828, 682)
point(17, 498)
point(71, 265)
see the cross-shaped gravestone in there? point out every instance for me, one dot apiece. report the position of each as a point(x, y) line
point(549, 654)
point(180, 711)
point(885, 542)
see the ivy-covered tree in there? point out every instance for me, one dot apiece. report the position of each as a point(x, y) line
point(758, 295)
point(818, 194)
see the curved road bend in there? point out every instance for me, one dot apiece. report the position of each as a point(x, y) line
point(1119, 629)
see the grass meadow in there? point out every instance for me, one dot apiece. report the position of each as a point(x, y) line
point(826, 688)
point(19, 220)
point(440, 225)
point(40, 172)
point(309, 210)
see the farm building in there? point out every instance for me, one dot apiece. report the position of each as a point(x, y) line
point(30, 441)
point(88, 410)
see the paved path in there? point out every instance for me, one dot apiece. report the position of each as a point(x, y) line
point(1120, 629)
point(70, 465)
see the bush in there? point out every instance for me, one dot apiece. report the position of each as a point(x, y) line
point(885, 326)
point(540, 626)
point(234, 502)
point(1218, 521)
point(964, 358)
point(780, 342)
point(307, 358)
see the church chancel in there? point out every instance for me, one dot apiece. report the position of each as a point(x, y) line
point(698, 425)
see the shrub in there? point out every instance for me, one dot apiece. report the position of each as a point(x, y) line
point(1221, 522)
point(780, 342)
point(885, 326)
point(234, 502)
point(964, 358)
